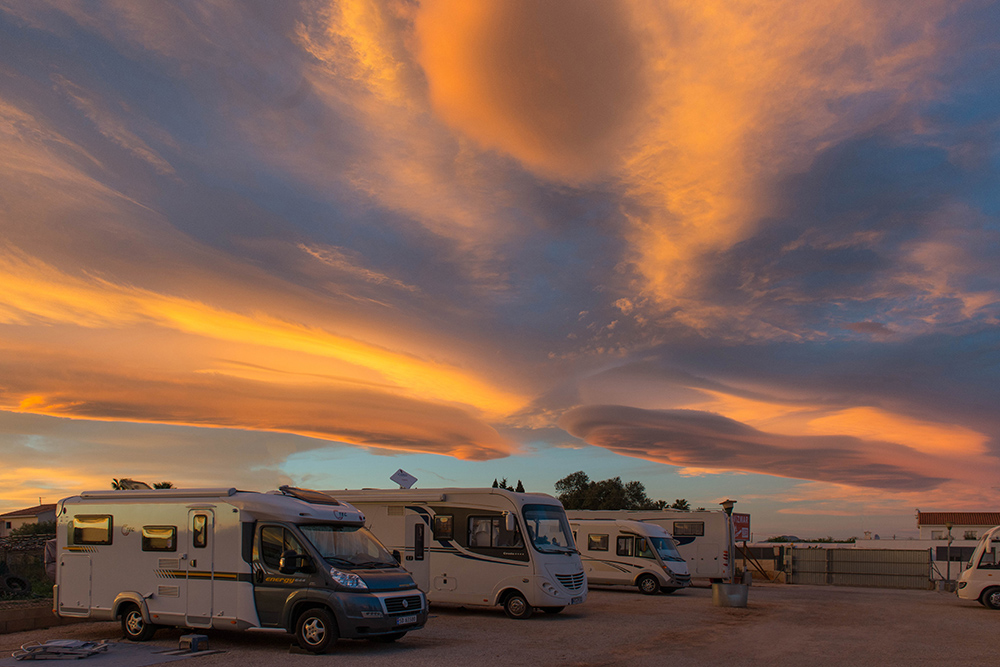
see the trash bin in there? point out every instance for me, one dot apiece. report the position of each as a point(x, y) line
point(730, 595)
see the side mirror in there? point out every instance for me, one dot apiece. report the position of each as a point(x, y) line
point(510, 522)
point(289, 562)
point(395, 554)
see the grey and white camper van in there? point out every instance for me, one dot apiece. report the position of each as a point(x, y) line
point(630, 553)
point(292, 560)
point(480, 547)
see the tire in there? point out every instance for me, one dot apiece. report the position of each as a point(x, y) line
point(316, 630)
point(134, 627)
point(552, 610)
point(389, 638)
point(15, 584)
point(648, 585)
point(517, 607)
point(991, 598)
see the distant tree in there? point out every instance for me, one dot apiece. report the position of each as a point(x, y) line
point(681, 504)
point(127, 483)
point(502, 484)
point(163, 485)
point(520, 487)
point(496, 484)
point(699, 509)
point(578, 492)
point(40, 528)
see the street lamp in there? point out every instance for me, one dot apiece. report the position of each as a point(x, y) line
point(949, 525)
point(727, 506)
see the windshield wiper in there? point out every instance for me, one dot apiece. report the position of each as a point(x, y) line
point(376, 564)
point(334, 560)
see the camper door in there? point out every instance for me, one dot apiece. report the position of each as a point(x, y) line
point(418, 542)
point(201, 567)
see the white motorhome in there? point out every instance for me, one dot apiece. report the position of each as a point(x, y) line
point(981, 578)
point(632, 553)
point(480, 546)
point(703, 537)
point(293, 560)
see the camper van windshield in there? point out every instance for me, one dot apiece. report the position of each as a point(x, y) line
point(667, 549)
point(548, 528)
point(348, 547)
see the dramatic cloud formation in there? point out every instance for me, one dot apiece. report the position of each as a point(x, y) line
point(754, 242)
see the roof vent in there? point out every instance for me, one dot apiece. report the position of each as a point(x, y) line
point(308, 495)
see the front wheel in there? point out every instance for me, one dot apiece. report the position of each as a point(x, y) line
point(316, 630)
point(517, 607)
point(648, 584)
point(991, 598)
point(134, 627)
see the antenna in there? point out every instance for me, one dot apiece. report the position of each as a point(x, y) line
point(403, 478)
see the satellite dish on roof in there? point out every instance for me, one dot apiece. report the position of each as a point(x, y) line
point(403, 478)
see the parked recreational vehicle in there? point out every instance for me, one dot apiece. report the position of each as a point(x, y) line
point(480, 546)
point(293, 560)
point(633, 553)
point(703, 537)
point(981, 578)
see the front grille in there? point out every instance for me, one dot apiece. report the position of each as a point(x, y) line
point(408, 604)
point(573, 582)
point(682, 579)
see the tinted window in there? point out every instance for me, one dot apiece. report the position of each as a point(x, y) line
point(486, 531)
point(199, 531)
point(275, 540)
point(597, 542)
point(159, 538)
point(444, 527)
point(689, 528)
point(625, 545)
point(92, 529)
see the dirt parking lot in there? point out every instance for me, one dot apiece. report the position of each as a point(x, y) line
point(812, 625)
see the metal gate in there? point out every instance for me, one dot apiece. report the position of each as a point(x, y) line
point(876, 568)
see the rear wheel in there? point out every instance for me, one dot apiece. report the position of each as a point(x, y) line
point(991, 598)
point(316, 630)
point(516, 606)
point(648, 584)
point(389, 638)
point(134, 627)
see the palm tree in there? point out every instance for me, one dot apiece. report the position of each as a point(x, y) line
point(127, 483)
point(163, 485)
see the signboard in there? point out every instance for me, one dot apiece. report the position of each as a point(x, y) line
point(741, 527)
point(403, 478)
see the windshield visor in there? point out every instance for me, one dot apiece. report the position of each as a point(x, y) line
point(548, 529)
point(348, 547)
point(667, 549)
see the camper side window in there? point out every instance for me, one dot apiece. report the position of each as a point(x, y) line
point(199, 531)
point(489, 531)
point(92, 529)
point(689, 528)
point(597, 542)
point(159, 538)
point(642, 549)
point(444, 527)
point(625, 545)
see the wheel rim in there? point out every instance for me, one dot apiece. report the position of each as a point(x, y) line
point(516, 605)
point(994, 599)
point(647, 585)
point(313, 631)
point(133, 622)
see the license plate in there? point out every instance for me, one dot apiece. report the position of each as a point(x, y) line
point(576, 600)
point(403, 620)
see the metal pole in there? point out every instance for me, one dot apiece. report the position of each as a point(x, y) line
point(948, 585)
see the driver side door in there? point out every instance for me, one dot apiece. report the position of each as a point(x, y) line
point(270, 587)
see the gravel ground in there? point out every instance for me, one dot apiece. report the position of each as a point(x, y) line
point(815, 625)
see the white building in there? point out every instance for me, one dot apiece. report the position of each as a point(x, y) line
point(964, 525)
point(13, 520)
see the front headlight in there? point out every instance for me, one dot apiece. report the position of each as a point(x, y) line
point(348, 579)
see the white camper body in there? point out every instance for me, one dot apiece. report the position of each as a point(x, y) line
point(480, 546)
point(228, 559)
point(703, 537)
point(981, 579)
point(631, 553)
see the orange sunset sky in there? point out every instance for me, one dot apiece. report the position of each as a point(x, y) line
point(728, 249)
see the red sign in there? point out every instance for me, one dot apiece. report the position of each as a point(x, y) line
point(741, 527)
